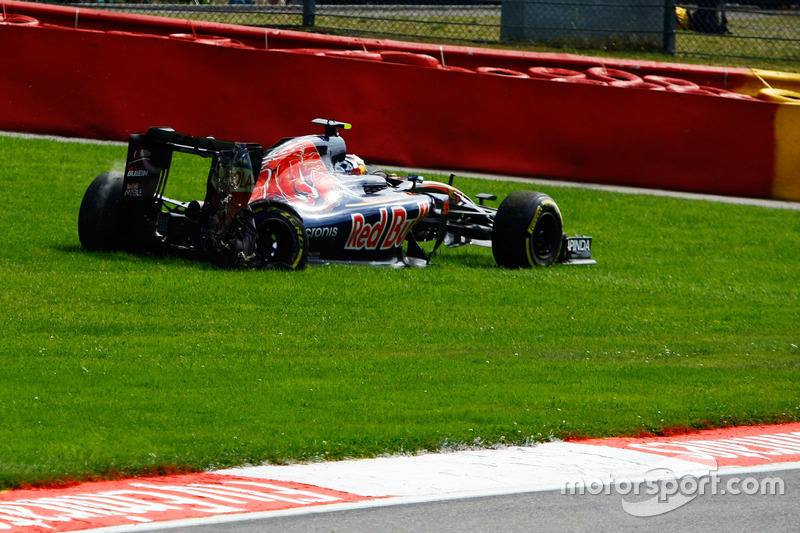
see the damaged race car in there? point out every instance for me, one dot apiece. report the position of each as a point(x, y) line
point(309, 202)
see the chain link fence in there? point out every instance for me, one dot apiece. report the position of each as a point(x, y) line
point(757, 29)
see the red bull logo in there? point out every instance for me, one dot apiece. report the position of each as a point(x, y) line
point(387, 232)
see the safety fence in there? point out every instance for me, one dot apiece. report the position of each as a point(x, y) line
point(759, 29)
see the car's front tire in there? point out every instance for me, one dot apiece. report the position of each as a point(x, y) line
point(282, 241)
point(98, 218)
point(527, 231)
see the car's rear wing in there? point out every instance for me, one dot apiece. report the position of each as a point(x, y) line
point(147, 170)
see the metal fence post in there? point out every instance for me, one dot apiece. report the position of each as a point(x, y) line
point(309, 13)
point(669, 26)
point(756, 31)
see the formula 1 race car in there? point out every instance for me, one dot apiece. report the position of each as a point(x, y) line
point(310, 202)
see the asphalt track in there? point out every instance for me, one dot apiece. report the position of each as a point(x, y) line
point(725, 479)
point(543, 511)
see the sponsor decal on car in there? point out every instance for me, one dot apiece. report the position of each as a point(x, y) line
point(133, 189)
point(141, 153)
point(579, 247)
point(322, 232)
point(366, 236)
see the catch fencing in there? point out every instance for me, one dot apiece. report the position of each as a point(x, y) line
point(758, 29)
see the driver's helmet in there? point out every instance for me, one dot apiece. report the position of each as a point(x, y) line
point(352, 166)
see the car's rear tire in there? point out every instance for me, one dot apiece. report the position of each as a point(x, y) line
point(282, 241)
point(98, 218)
point(527, 231)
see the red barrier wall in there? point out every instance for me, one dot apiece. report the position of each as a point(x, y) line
point(108, 84)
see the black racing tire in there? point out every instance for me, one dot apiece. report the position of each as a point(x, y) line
point(527, 231)
point(282, 241)
point(98, 218)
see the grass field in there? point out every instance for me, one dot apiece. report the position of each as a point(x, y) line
point(113, 364)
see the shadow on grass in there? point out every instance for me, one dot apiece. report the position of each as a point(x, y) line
point(148, 257)
point(464, 257)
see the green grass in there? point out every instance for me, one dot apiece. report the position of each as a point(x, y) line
point(115, 364)
point(773, 38)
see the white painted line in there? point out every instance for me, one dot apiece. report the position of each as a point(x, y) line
point(508, 470)
point(757, 202)
point(773, 204)
point(598, 466)
point(459, 475)
point(58, 138)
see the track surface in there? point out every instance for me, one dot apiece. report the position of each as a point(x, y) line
point(545, 511)
point(727, 477)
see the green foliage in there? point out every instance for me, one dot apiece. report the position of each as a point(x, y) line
point(116, 364)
